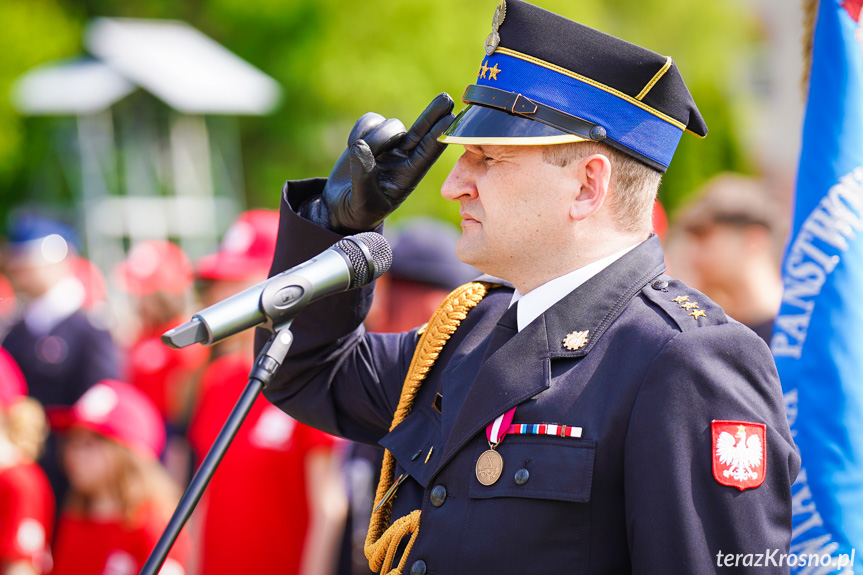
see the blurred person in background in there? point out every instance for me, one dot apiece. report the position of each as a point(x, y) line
point(159, 278)
point(7, 305)
point(424, 270)
point(276, 503)
point(729, 243)
point(26, 501)
point(120, 497)
point(61, 348)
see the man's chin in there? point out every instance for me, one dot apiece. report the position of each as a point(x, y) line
point(469, 251)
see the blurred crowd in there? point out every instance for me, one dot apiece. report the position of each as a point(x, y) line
point(102, 426)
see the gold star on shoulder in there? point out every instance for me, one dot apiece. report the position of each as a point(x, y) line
point(492, 72)
point(483, 69)
point(689, 305)
point(698, 313)
point(681, 299)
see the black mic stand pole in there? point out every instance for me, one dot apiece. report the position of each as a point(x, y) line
point(266, 364)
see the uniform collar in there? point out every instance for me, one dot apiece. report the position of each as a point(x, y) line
point(537, 301)
point(521, 368)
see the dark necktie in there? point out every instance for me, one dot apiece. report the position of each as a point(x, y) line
point(507, 326)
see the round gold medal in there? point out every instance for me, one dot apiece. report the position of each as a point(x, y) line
point(489, 467)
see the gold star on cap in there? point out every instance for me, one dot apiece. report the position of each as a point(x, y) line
point(483, 69)
point(493, 39)
point(575, 340)
point(492, 72)
point(698, 313)
point(681, 299)
point(689, 305)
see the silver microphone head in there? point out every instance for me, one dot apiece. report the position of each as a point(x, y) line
point(370, 255)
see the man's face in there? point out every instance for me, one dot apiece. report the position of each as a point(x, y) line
point(512, 207)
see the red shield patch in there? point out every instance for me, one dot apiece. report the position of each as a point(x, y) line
point(739, 453)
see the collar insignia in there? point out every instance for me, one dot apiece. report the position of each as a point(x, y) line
point(575, 340)
point(681, 299)
point(493, 39)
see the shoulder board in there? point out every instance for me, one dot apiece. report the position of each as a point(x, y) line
point(686, 307)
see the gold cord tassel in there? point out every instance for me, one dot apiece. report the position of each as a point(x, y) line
point(383, 539)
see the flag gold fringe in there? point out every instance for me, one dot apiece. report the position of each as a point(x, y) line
point(810, 16)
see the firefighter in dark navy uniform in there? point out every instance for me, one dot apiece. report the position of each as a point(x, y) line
point(576, 410)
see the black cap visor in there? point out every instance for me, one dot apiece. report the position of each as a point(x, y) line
point(479, 126)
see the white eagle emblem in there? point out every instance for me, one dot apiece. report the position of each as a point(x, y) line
point(741, 456)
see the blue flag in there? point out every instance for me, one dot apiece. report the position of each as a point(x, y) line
point(818, 335)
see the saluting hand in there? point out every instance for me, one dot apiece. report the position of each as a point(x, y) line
point(382, 166)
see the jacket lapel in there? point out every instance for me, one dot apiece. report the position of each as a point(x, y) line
point(521, 368)
point(514, 373)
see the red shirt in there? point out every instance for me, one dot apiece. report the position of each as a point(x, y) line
point(157, 370)
point(255, 510)
point(87, 546)
point(26, 516)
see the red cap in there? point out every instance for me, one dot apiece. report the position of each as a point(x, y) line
point(154, 266)
point(7, 297)
point(247, 249)
point(118, 411)
point(92, 280)
point(12, 383)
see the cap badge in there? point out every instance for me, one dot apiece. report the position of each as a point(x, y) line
point(575, 340)
point(739, 448)
point(493, 39)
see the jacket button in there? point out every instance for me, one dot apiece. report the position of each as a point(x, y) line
point(438, 496)
point(418, 568)
point(521, 476)
point(659, 284)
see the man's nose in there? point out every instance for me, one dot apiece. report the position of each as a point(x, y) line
point(460, 183)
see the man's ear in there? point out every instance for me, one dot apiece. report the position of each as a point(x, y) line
point(594, 176)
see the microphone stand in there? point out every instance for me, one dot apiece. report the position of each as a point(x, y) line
point(267, 363)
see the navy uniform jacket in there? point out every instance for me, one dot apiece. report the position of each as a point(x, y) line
point(635, 493)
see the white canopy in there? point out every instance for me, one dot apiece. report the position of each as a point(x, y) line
point(181, 66)
point(69, 88)
point(173, 61)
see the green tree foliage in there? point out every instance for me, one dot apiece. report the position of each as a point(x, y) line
point(337, 60)
point(34, 32)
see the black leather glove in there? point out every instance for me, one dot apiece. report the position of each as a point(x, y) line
point(380, 168)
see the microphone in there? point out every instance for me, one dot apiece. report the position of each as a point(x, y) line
point(352, 262)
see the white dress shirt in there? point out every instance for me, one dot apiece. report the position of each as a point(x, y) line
point(534, 303)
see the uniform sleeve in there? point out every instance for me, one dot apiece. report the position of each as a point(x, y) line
point(680, 519)
point(337, 377)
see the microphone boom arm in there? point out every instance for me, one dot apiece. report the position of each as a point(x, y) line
point(266, 365)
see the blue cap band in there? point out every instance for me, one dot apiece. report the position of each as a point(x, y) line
point(627, 121)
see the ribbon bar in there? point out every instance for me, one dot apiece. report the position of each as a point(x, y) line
point(545, 429)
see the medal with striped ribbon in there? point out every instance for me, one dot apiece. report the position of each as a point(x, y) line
point(489, 466)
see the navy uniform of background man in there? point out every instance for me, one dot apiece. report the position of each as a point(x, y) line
point(648, 434)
